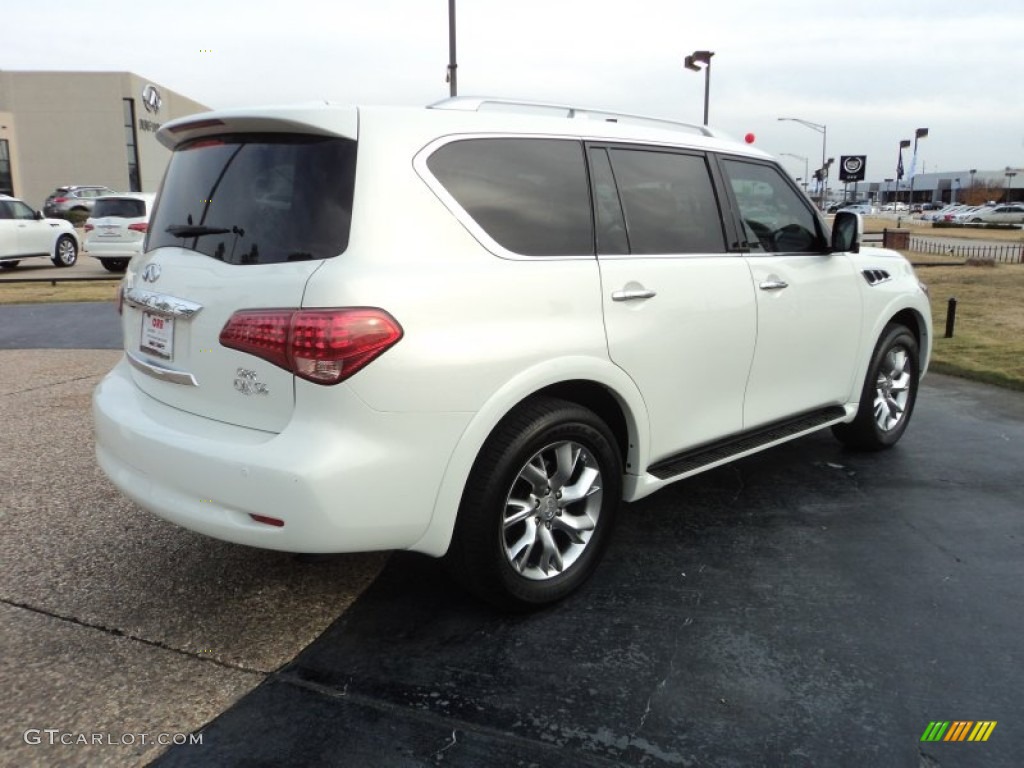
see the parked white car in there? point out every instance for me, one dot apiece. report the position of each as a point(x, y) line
point(472, 332)
point(27, 234)
point(999, 214)
point(117, 228)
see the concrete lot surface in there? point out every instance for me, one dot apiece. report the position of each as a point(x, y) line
point(111, 621)
point(86, 266)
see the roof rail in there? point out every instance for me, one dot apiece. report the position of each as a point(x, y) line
point(478, 103)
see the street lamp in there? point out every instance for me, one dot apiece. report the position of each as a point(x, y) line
point(453, 86)
point(920, 133)
point(1010, 173)
point(799, 157)
point(904, 143)
point(823, 130)
point(958, 186)
point(691, 62)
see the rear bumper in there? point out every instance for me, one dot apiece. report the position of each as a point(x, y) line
point(360, 480)
point(100, 250)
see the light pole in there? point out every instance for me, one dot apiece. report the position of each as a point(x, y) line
point(823, 130)
point(453, 85)
point(1010, 173)
point(799, 157)
point(958, 186)
point(691, 62)
point(920, 133)
point(904, 143)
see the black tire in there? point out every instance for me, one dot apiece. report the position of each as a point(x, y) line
point(884, 413)
point(65, 253)
point(9, 264)
point(114, 265)
point(480, 556)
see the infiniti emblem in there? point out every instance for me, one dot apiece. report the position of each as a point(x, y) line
point(151, 273)
point(151, 98)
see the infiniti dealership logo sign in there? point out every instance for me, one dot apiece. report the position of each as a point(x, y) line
point(152, 99)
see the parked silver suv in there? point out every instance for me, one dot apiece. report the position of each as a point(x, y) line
point(64, 200)
point(472, 332)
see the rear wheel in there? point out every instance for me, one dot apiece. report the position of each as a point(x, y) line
point(890, 391)
point(66, 252)
point(115, 265)
point(9, 264)
point(538, 507)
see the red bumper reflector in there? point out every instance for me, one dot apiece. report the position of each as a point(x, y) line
point(267, 520)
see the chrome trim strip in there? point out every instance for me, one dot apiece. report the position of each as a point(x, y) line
point(159, 372)
point(161, 303)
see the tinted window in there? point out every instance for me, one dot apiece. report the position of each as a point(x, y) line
point(21, 211)
point(120, 207)
point(669, 202)
point(776, 218)
point(529, 195)
point(255, 199)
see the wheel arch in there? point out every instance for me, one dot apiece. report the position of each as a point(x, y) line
point(914, 321)
point(595, 384)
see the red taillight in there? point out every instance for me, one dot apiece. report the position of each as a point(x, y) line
point(324, 346)
point(142, 227)
point(89, 227)
point(60, 199)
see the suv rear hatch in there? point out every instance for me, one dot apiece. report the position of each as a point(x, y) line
point(117, 221)
point(248, 211)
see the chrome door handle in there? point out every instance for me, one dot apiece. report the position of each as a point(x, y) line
point(629, 295)
point(773, 285)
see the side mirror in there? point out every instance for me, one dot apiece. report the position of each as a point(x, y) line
point(40, 216)
point(847, 230)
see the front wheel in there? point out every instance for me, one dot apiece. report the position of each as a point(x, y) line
point(66, 252)
point(538, 507)
point(890, 391)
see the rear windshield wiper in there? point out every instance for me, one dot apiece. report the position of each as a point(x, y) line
point(198, 230)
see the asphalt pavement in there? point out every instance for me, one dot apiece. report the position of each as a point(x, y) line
point(806, 606)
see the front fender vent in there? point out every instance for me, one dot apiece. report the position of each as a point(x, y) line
point(876, 276)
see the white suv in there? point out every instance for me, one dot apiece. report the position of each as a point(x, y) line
point(116, 230)
point(472, 331)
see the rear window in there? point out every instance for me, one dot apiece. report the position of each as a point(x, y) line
point(257, 199)
point(121, 207)
point(529, 195)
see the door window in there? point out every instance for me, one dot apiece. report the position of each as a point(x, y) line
point(21, 211)
point(775, 218)
point(668, 200)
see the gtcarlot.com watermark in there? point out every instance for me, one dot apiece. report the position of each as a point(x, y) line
point(55, 736)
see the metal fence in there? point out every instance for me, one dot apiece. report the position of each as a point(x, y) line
point(1011, 253)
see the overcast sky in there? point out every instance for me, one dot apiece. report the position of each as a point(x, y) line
point(871, 71)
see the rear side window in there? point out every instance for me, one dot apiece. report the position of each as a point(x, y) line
point(669, 202)
point(258, 199)
point(529, 195)
point(120, 207)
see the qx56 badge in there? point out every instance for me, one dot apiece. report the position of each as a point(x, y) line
point(246, 383)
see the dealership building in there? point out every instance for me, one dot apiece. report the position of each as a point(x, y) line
point(64, 128)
